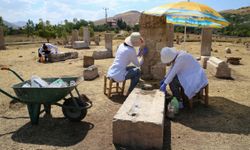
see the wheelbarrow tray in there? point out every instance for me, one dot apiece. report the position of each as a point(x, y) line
point(44, 95)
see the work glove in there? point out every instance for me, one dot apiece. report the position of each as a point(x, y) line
point(142, 52)
point(163, 87)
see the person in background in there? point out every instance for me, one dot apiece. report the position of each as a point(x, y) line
point(126, 54)
point(185, 72)
point(45, 50)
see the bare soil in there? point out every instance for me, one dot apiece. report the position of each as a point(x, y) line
point(225, 124)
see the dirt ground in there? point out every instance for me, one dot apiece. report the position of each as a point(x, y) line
point(225, 124)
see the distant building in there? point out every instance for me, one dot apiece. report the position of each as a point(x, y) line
point(112, 23)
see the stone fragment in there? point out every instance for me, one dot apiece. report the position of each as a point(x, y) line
point(233, 60)
point(2, 43)
point(90, 73)
point(139, 123)
point(228, 50)
point(218, 68)
point(88, 61)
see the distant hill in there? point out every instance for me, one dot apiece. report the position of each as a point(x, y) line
point(130, 17)
point(8, 24)
point(20, 23)
point(240, 11)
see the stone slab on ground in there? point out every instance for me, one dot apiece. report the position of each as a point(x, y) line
point(102, 54)
point(80, 45)
point(139, 123)
point(88, 61)
point(62, 56)
point(218, 68)
point(90, 73)
point(233, 60)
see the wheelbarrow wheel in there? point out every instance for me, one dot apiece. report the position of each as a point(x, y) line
point(74, 114)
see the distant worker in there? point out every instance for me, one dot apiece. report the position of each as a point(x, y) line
point(126, 53)
point(45, 50)
point(185, 72)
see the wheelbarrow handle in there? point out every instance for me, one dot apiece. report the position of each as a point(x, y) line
point(7, 94)
point(6, 68)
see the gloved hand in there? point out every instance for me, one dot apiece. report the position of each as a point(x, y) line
point(142, 52)
point(162, 81)
point(163, 87)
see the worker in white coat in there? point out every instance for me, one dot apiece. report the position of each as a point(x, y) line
point(45, 50)
point(126, 54)
point(185, 72)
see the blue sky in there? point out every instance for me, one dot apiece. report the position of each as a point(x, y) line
point(58, 10)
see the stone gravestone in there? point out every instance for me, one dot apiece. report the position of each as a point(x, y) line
point(139, 123)
point(206, 46)
point(86, 35)
point(88, 61)
point(108, 51)
point(2, 43)
point(218, 68)
point(170, 35)
point(74, 36)
point(153, 30)
point(62, 56)
point(97, 40)
point(177, 39)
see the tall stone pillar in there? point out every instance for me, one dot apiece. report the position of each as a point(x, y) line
point(74, 36)
point(86, 35)
point(153, 30)
point(206, 45)
point(108, 41)
point(2, 43)
point(206, 42)
point(170, 35)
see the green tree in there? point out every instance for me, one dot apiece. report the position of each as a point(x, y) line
point(121, 24)
point(30, 28)
point(46, 30)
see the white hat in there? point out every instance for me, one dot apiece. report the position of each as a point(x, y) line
point(133, 38)
point(168, 54)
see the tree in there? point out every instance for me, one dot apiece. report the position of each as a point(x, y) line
point(30, 28)
point(121, 24)
point(46, 30)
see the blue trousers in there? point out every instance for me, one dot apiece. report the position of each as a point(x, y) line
point(134, 74)
point(175, 87)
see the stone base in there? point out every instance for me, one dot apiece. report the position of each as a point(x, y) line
point(68, 46)
point(203, 61)
point(88, 61)
point(218, 68)
point(80, 45)
point(102, 54)
point(139, 123)
point(233, 60)
point(90, 73)
point(62, 56)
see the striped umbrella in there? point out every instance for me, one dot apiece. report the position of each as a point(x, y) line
point(190, 14)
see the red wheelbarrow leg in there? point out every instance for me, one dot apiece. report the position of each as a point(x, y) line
point(34, 112)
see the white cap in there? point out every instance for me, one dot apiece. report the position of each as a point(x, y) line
point(133, 38)
point(168, 54)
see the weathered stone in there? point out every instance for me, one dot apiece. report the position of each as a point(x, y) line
point(228, 50)
point(88, 61)
point(80, 45)
point(218, 68)
point(86, 36)
point(153, 30)
point(158, 70)
point(233, 60)
point(97, 40)
point(139, 123)
point(216, 51)
point(109, 41)
point(74, 36)
point(147, 86)
point(62, 56)
point(203, 61)
point(170, 35)
point(206, 42)
point(102, 54)
point(2, 43)
point(90, 73)
point(177, 39)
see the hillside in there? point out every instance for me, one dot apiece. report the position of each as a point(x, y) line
point(130, 17)
point(240, 11)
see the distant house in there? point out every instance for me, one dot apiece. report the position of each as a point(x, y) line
point(112, 23)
